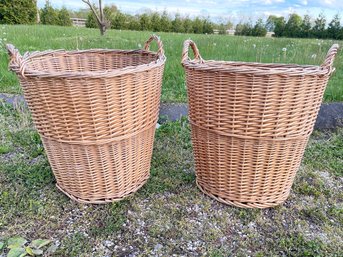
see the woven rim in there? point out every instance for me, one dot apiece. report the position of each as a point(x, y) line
point(18, 63)
point(256, 68)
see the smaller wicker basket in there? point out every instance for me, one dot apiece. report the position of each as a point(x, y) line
point(250, 125)
point(96, 111)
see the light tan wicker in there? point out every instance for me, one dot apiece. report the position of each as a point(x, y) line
point(96, 111)
point(250, 125)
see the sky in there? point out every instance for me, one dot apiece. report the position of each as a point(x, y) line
point(234, 10)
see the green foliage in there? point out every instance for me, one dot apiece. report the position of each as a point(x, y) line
point(91, 21)
point(334, 29)
point(119, 21)
point(49, 15)
point(144, 21)
point(259, 29)
point(156, 22)
point(293, 26)
point(64, 18)
point(296, 26)
point(177, 25)
point(19, 247)
point(305, 27)
point(18, 11)
point(318, 29)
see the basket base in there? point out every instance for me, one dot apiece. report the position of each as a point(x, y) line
point(101, 201)
point(258, 205)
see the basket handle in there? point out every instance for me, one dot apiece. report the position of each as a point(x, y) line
point(16, 58)
point(160, 50)
point(189, 43)
point(330, 57)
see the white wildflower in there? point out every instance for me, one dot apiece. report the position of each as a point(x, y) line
point(313, 56)
point(139, 45)
point(254, 45)
point(319, 43)
point(284, 49)
point(214, 44)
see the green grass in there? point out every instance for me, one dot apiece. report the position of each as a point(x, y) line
point(219, 47)
point(169, 215)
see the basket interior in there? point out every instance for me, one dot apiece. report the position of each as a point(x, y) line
point(251, 67)
point(89, 61)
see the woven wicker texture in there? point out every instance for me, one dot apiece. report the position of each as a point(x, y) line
point(96, 111)
point(250, 125)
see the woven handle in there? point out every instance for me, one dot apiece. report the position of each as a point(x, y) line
point(189, 43)
point(15, 57)
point(160, 50)
point(330, 57)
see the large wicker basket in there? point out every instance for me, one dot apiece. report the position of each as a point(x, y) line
point(250, 125)
point(96, 111)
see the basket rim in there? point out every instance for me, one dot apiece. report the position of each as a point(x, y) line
point(256, 68)
point(27, 57)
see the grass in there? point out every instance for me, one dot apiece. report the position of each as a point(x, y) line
point(301, 51)
point(169, 215)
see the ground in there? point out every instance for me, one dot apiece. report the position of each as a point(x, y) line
point(169, 216)
point(217, 47)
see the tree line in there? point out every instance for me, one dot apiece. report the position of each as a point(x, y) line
point(26, 12)
point(153, 21)
point(305, 27)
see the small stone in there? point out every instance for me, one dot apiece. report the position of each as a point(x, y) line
point(158, 247)
point(108, 243)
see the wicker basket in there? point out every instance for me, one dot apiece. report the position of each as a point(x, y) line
point(250, 125)
point(96, 111)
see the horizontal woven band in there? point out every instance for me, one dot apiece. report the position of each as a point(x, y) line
point(102, 141)
point(247, 137)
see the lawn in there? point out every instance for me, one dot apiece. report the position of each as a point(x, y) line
point(169, 215)
point(219, 47)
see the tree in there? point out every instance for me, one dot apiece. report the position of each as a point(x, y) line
point(49, 15)
point(239, 29)
point(259, 29)
point(64, 18)
point(165, 22)
point(207, 26)
point(271, 22)
point(221, 29)
point(100, 18)
point(155, 22)
point(91, 21)
point(334, 28)
point(177, 24)
point(305, 28)
point(197, 26)
point(293, 26)
point(318, 29)
point(188, 25)
point(133, 23)
point(119, 21)
point(18, 12)
point(144, 21)
point(279, 28)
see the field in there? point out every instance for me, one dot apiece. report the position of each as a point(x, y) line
point(301, 51)
point(169, 216)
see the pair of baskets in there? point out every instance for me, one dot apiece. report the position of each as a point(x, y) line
point(96, 111)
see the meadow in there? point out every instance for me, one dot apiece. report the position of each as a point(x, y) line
point(219, 47)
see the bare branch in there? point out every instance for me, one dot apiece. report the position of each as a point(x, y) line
point(93, 10)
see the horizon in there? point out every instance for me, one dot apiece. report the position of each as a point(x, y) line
point(218, 10)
